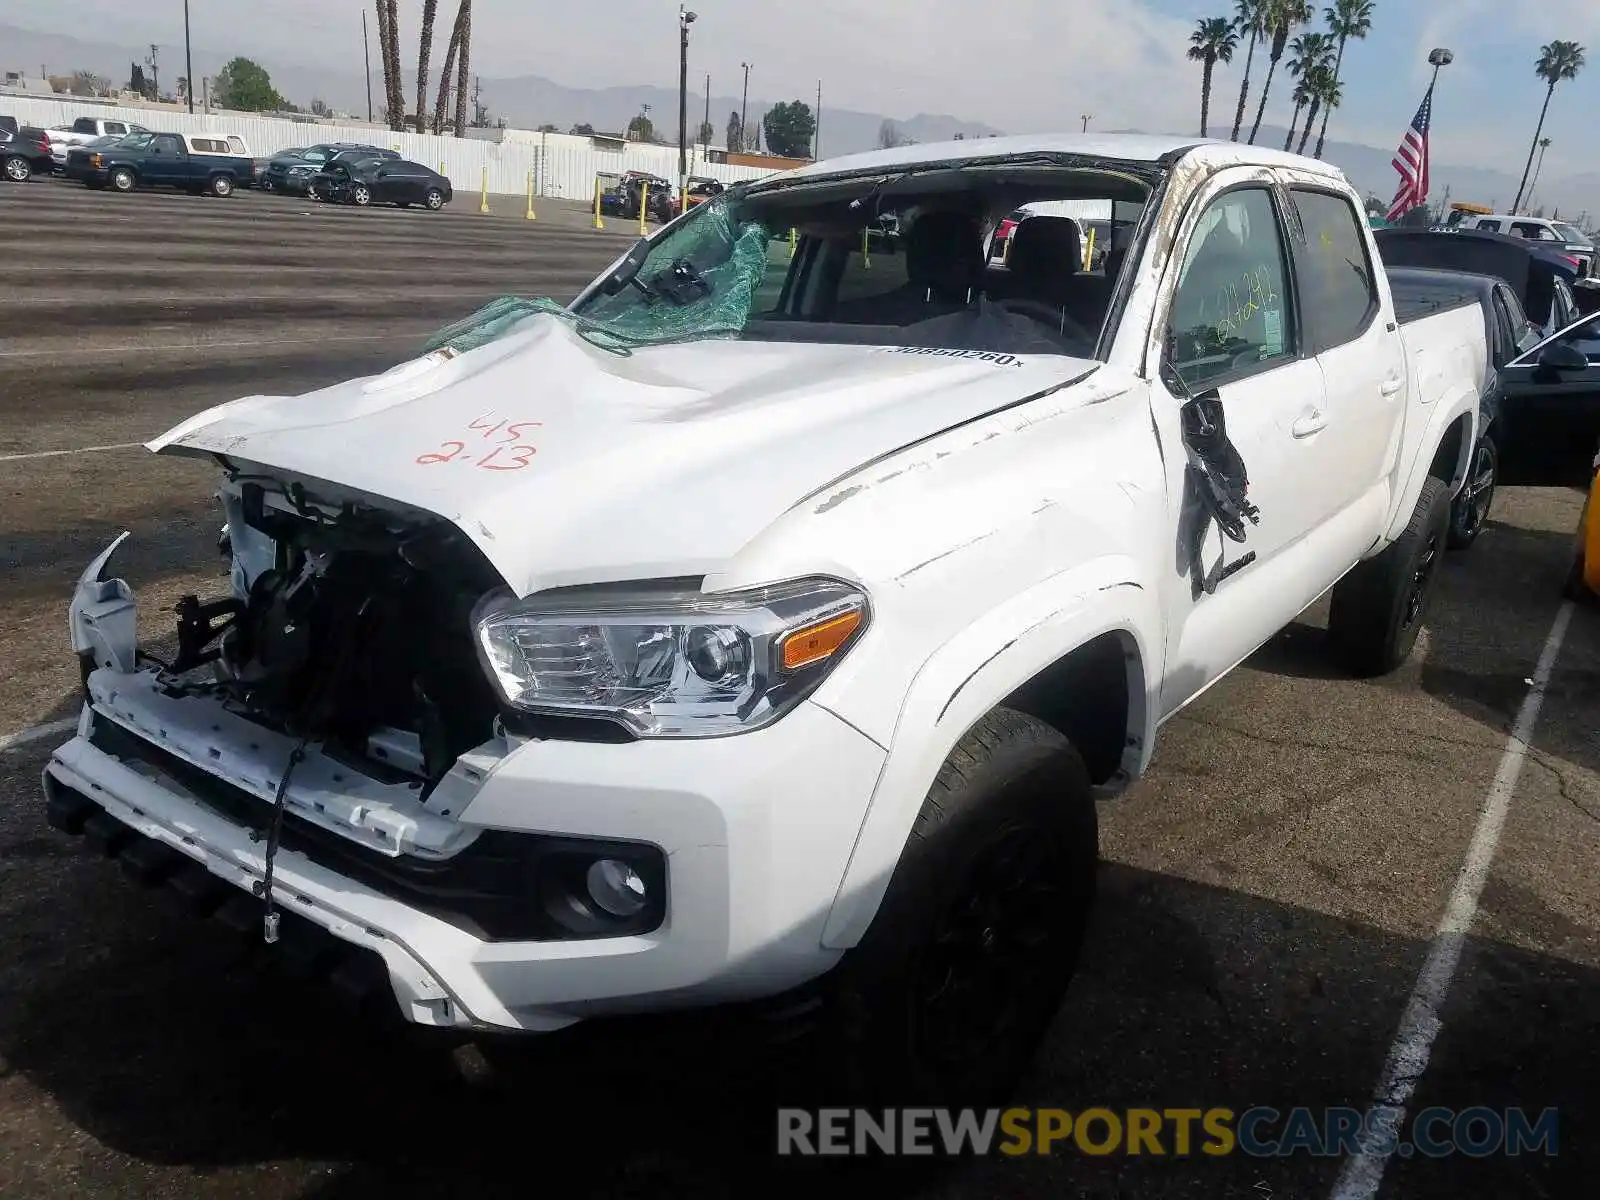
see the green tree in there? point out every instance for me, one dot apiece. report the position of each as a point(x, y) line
point(1312, 55)
point(245, 86)
point(87, 83)
point(1557, 61)
point(1346, 19)
point(1249, 16)
point(1282, 18)
point(640, 129)
point(789, 126)
point(735, 134)
point(1214, 40)
point(582, 129)
point(1326, 93)
point(706, 132)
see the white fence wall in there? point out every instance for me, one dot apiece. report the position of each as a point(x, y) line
point(562, 166)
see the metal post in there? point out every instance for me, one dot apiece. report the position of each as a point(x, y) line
point(744, 109)
point(685, 19)
point(816, 127)
point(366, 53)
point(188, 58)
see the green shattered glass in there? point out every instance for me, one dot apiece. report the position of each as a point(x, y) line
point(728, 253)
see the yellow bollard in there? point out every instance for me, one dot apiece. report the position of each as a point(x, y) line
point(791, 241)
point(484, 206)
point(531, 217)
point(441, 167)
point(644, 206)
point(1088, 254)
point(598, 223)
point(866, 259)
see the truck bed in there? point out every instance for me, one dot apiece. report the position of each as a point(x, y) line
point(1420, 293)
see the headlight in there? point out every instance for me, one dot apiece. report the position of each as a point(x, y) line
point(665, 662)
point(299, 170)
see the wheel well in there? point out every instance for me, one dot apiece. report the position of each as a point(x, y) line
point(1447, 459)
point(1094, 697)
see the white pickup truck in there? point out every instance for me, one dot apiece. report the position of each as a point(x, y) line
point(85, 130)
point(767, 623)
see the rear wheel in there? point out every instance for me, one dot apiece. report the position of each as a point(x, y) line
point(953, 987)
point(1378, 608)
point(1470, 512)
point(18, 169)
point(122, 180)
point(222, 185)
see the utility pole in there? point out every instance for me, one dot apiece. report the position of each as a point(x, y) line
point(708, 106)
point(816, 127)
point(685, 19)
point(1086, 118)
point(188, 59)
point(155, 75)
point(744, 110)
point(366, 54)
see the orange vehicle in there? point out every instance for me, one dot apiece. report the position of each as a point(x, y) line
point(701, 188)
point(1583, 577)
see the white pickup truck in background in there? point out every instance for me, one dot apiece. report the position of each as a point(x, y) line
point(762, 625)
point(83, 131)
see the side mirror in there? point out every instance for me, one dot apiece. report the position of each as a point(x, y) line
point(1563, 356)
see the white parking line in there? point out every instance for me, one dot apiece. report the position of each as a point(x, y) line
point(12, 741)
point(1419, 1026)
point(79, 450)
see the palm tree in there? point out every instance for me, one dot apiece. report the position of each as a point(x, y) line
point(1346, 19)
point(1249, 16)
point(389, 50)
point(463, 69)
point(1283, 18)
point(1313, 52)
point(1214, 40)
point(1326, 93)
point(1557, 61)
point(430, 9)
point(451, 51)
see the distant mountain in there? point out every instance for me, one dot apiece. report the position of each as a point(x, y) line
point(531, 100)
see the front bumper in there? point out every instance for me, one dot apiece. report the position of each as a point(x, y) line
point(755, 831)
point(294, 185)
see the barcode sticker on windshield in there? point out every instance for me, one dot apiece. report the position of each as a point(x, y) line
point(1272, 323)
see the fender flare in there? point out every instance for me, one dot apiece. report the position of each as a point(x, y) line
point(1448, 409)
point(965, 678)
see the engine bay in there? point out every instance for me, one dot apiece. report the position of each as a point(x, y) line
point(347, 626)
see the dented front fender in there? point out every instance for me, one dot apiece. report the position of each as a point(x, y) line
point(103, 618)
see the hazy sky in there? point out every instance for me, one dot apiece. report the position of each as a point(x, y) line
point(1025, 65)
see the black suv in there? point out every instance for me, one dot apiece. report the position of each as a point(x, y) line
point(292, 172)
point(24, 151)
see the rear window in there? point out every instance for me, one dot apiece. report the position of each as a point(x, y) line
point(84, 125)
point(1339, 294)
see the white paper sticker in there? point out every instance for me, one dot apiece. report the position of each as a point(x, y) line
point(1272, 321)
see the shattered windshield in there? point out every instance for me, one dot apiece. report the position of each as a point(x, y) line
point(908, 260)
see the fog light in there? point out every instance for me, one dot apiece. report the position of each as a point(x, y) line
point(615, 887)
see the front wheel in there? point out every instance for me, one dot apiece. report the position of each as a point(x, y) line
point(360, 195)
point(434, 199)
point(1378, 609)
point(1470, 512)
point(18, 169)
point(122, 180)
point(951, 990)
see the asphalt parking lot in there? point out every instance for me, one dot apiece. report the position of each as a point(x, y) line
point(1271, 891)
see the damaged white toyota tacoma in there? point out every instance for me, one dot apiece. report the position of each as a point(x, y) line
point(766, 623)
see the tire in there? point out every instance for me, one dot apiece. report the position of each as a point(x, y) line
point(360, 195)
point(1379, 608)
point(17, 169)
point(1470, 511)
point(221, 185)
point(122, 180)
point(434, 199)
point(265, 185)
point(992, 893)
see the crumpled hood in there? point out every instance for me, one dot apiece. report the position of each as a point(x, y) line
point(569, 464)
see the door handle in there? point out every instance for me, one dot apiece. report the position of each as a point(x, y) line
point(1391, 385)
point(1311, 423)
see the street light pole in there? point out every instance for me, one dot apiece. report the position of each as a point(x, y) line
point(744, 109)
point(188, 59)
point(366, 53)
point(1439, 56)
point(685, 19)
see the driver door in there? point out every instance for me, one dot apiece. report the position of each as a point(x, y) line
point(1233, 334)
point(1550, 412)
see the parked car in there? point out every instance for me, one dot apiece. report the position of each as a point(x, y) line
point(1559, 235)
point(193, 162)
point(9, 124)
point(625, 198)
point(1550, 395)
point(24, 152)
point(1543, 279)
point(353, 179)
point(85, 130)
point(291, 172)
point(921, 580)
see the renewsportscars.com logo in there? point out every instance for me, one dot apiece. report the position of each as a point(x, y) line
point(1259, 1132)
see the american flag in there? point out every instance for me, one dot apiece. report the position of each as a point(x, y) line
point(1411, 160)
